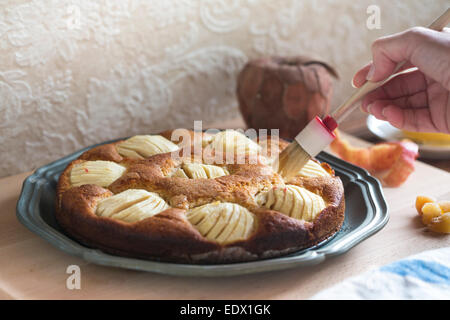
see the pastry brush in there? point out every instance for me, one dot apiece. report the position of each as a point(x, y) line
point(318, 133)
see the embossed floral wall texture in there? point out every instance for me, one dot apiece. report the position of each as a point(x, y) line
point(78, 72)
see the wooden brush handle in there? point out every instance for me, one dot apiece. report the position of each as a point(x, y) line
point(349, 105)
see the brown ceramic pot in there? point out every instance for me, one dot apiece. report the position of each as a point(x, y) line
point(284, 93)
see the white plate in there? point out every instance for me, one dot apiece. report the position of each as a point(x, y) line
point(385, 131)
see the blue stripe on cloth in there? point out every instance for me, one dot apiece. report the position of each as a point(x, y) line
point(427, 271)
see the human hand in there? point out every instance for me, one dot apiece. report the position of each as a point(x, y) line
point(415, 101)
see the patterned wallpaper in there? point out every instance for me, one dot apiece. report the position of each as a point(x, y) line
point(78, 72)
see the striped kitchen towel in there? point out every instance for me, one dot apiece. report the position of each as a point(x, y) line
point(422, 276)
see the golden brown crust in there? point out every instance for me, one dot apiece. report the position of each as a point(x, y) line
point(168, 236)
point(107, 152)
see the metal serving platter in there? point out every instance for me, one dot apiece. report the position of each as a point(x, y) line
point(366, 213)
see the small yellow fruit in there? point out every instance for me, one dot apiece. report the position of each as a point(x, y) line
point(430, 210)
point(445, 206)
point(441, 224)
point(421, 200)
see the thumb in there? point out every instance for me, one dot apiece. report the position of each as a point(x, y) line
point(390, 50)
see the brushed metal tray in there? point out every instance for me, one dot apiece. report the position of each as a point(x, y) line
point(366, 213)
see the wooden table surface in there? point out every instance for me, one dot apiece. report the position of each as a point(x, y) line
point(31, 268)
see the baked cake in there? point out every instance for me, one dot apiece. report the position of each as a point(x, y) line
point(146, 197)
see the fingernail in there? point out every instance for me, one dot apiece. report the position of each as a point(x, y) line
point(369, 108)
point(383, 112)
point(370, 73)
point(363, 109)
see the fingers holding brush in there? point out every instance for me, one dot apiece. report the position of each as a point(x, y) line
point(418, 99)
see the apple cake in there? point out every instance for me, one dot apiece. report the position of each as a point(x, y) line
point(150, 197)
